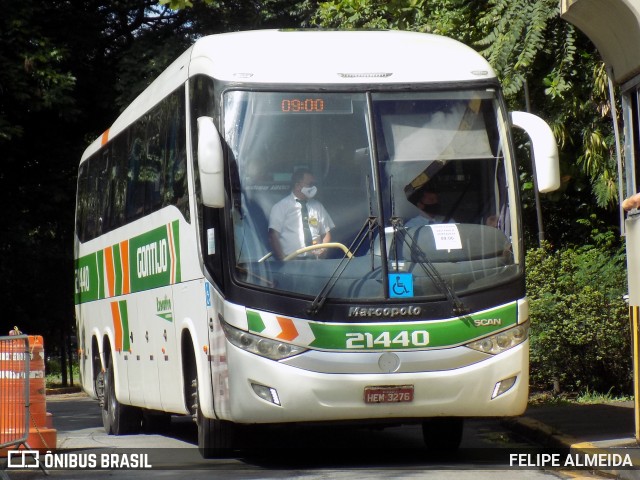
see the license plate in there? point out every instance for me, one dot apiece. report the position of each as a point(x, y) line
point(391, 394)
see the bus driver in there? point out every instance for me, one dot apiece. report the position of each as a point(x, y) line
point(298, 220)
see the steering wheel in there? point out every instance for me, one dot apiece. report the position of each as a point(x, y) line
point(302, 250)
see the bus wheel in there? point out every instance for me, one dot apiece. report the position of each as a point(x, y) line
point(215, 437)
point(117, 419)
point(443, 433)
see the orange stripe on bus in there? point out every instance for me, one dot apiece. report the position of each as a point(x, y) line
point(289, 331)
point(111, 281)
point(117, 325)
point(124, 256)
point(105, 137)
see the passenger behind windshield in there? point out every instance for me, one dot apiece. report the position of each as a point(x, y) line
point(298, 220)
point(428, 202)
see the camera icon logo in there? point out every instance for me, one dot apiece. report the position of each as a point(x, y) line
point(23, 459)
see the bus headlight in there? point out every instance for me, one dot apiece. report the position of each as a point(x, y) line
point(502, 341)
point(265, 347)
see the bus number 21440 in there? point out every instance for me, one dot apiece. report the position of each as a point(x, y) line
point(403, 339)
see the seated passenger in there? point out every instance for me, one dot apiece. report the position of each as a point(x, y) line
point(430, 210)
point(492, 221)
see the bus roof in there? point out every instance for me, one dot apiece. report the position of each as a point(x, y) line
point(313, 57)
point(330, 57)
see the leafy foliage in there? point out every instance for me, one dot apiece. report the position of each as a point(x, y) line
point(579, 320)
point(515, 37)
point(32, 73)
point(398, 14)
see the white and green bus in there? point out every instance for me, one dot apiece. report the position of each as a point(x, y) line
point(180, 307)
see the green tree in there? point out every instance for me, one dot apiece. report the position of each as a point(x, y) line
point(32, 74)
point(67, 68)
point(36, 188)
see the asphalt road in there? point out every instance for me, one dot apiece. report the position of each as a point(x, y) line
point(309, 452)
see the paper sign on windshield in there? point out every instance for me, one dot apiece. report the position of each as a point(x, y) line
point(446, 236)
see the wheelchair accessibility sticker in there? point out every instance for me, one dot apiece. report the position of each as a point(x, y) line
point(401, 285)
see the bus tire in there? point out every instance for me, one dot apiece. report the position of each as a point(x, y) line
point(215, 437)
point(443, 433)
point(118, 419)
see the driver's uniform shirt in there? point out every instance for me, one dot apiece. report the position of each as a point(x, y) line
point(286, 219)
point(421, 220)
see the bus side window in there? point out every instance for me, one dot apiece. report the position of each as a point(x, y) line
point(104, 200)
point(156, 160)
point(119, 179)
point(175, 190)
point(135, 189)
point(153, 178)
point(93, 203)
point(82, 202)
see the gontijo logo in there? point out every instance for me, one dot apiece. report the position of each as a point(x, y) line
point(156, 262)
point(152, 258)
point(143, 262)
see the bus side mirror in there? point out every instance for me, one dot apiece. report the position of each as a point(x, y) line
point(545, 150)
point(210, 163)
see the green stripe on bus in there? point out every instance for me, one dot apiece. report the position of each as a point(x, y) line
point(117, 269)
point(386, 335)
point(89, 273)
point(255, 322)
point(124, 317)
point(175, 226)
point(407, 336)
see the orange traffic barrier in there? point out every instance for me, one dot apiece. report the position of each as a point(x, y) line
point(23, 410)
point(14, 390)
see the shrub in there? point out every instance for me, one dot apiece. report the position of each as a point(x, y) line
point(580, 337)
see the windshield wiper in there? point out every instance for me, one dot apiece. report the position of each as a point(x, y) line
point(419, 256)
point(368, 229)
point(370, 226)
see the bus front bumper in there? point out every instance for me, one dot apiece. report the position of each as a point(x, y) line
point(264, 391)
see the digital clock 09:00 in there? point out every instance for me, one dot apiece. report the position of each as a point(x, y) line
point(309, 105)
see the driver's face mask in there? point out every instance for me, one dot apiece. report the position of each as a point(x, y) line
point(310, 191)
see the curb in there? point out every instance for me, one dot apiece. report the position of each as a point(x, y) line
point(550, 437)
point(541, 433)
point(62, 390)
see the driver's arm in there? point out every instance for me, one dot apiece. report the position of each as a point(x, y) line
point(274, 241)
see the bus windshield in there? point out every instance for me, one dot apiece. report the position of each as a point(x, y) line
point(412, 188)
